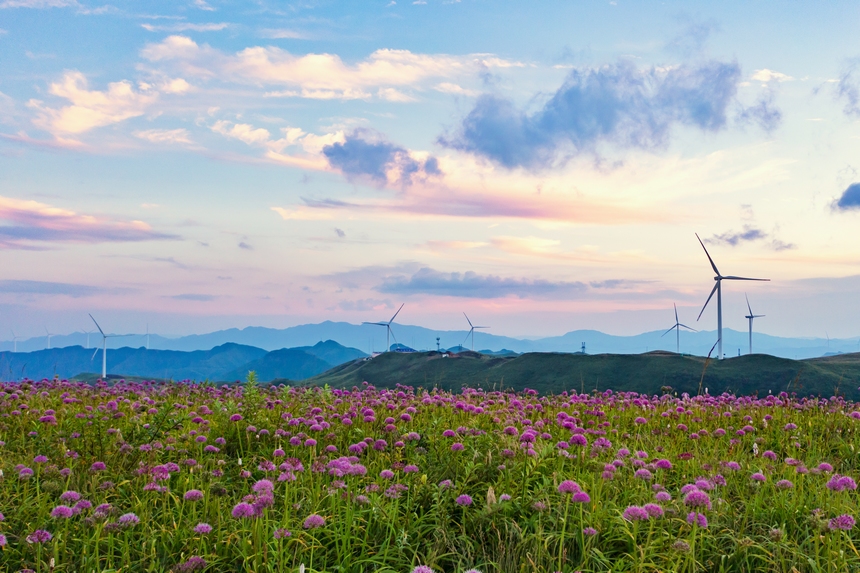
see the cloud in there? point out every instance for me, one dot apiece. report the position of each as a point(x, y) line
point(340, 232)
point(283, 34)
point(363, 154)
point(762, 113)
point(90, 109)
point(848, 88)
point(52, 288)
point(185, 26)
point(619, 104)
point(317, 76)
point(161, 136)
point(194, 297)
point(203, 5)
point(473, 285)
point(245, 246)
point(765, 75)
point(23, 222)
point(749, 234)
point(850, 199)
point(37, 3)
point(692, 39)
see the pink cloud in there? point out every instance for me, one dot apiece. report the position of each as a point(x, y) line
point(26, 222)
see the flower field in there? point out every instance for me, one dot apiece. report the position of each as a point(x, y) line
point(188, 477)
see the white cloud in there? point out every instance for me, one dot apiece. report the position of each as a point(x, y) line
point(302, 213)
point(449, 88)
point(37, 3)
point(283, 34)
point(91, 108)
point(185, 26)
point(243, 132)
point(164, 135)
point(765, 75)
point(201, 4)
point(317, 76)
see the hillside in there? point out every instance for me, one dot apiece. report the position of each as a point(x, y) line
point(647, 373)
point(227, 362)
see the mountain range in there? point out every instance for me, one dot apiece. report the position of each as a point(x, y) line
point(226, 362)
point(370, 338)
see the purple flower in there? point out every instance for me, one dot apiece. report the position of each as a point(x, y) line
point(194, 563)
point(193, 495)
point(40, 460)
point(410, 469)
point(243, 509)
point(464, 500)
point(697, 498)
point(663, 464)
point(62, 512)
point(70, 496)
point(697, 518)
point(784, 484)
point(39, 536)
point(386, 474)
point(635, 513)
point(457, 447)
point(263, 486)
point(2, 540)
point(581, 497)
point(98, 467)
point(589, 532)
point(758, 476)
point(282, 533)
point(313, 521)
point(504, 497)
point(653, 509)
point(844, 522)
point(640, 420)
point(825, 467)
point(236, 418)
point(422, 569)
point(643, 474)
point(663, 496)
point(203, 529)
point(568, 486)
point(128, 520)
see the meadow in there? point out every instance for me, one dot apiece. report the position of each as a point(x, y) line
point(145, 476)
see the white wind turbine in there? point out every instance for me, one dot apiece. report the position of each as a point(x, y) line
point(387, 325)
point(50, 334)
point(471, 331)
point(15, 340)
point(677, 328)
point(750, 317)
point(719, 290)
point(104, 347)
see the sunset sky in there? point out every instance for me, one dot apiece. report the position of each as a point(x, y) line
point(543, 166)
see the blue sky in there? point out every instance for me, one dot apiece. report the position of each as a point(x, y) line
point(543, 166)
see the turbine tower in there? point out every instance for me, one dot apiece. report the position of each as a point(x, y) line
point(719, 290)
point(50, 334)
point(14, 341)
point(750, 317)
point(677, 328)
point(472, 331)
point(387, 325)
point(104, 347)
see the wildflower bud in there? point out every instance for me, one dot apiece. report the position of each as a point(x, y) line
point(491, 496)
point(240, 461)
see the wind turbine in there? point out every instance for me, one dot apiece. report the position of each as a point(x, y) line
point(677, 327)
point(50, 334)
point(147, 336)
point(750, 317)
point(472, 331)
point(104, 347)
point(719, 290)
point(387, 325)
point(14, 341)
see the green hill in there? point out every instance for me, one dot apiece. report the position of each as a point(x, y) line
point(646, 373)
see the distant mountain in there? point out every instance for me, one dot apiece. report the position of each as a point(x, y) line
point(226, 362)
point(645, 373)
point(369, 338)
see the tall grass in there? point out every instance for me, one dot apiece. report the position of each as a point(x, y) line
point(184, 477)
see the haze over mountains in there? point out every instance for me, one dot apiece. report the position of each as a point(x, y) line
point(368, 338)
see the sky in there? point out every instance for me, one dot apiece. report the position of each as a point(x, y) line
point(192, 165)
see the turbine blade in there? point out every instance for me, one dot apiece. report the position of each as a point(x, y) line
point(733, 278)
point(396, 313)
point(676, 312)
point(709, 299)
point(713, 266)
point(687, 327)
point(712, 347)
point(758, 315)
point(467, 319)
point(668, 331)
point(94, 355)
point(465, 339)
point(97, 325)
point(748, 303)
point(376, 323)
point(391, 331)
